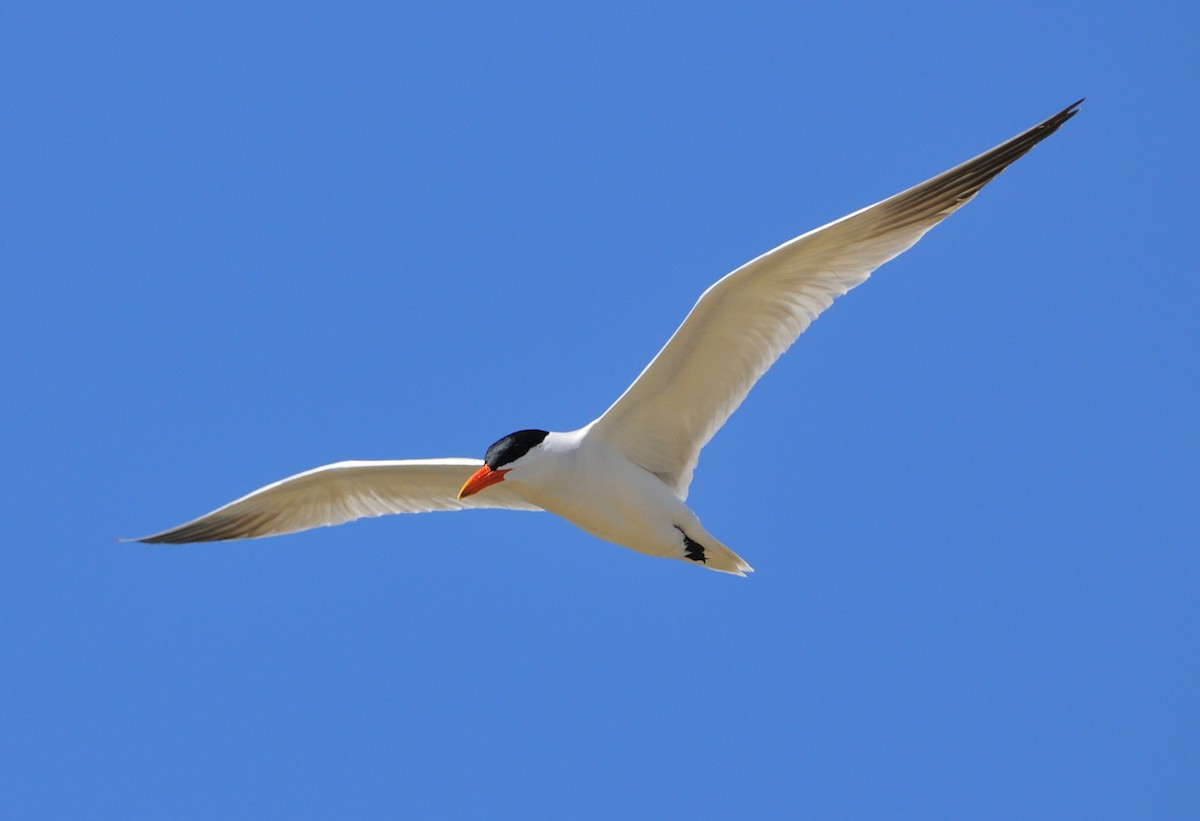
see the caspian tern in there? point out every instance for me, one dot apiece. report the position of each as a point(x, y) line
point(624, 477)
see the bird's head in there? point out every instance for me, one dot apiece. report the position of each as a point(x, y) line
point(502, 457)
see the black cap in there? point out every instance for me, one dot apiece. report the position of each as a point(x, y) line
point(513, 447)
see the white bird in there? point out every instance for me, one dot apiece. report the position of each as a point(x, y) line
point(624, 477)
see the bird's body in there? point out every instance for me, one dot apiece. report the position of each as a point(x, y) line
point(624, 477)
point(582, 478)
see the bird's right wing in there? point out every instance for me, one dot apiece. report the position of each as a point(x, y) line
point(342, 492)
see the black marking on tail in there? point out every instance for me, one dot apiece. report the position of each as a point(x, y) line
point(693, 549)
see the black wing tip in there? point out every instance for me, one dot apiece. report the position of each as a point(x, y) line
point(938, 197)
point(190, 534)
point(159, 538)
point(1051, 124)
point(1044, 129)
point(1018, 146)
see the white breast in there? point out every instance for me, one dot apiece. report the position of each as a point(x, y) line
point(595, 487)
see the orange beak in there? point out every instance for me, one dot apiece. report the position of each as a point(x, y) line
point(484, 477)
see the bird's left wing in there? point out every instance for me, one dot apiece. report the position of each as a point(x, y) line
point(747, 319)
point(342, 492)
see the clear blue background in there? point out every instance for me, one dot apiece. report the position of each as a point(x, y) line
point(242, 240)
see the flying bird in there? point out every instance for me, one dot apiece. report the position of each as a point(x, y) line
point(624, 477)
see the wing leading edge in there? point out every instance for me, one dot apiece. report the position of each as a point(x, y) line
point(339, 493)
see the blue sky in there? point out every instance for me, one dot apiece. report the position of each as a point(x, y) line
point(243, 240)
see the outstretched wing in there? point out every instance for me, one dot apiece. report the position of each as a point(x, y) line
point(342, 492)
point(747, 319)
